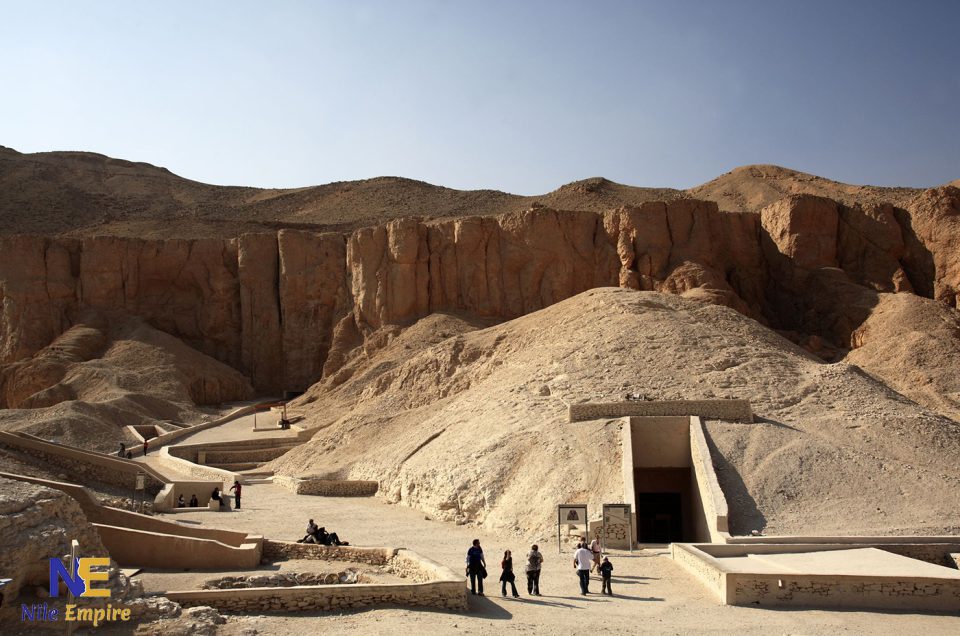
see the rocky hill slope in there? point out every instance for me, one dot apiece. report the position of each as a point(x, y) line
point(476, 419)
point(86, 194)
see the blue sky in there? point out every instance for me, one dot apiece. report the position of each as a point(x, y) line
point(517, 96)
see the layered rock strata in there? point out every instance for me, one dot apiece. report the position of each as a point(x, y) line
point(286, 308)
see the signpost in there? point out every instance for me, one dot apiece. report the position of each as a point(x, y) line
point(74, 549)
point(571, 514)
point(141, 486)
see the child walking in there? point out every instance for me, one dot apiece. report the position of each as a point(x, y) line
point(606, 571)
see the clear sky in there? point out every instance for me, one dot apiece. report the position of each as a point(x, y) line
point(519, 95)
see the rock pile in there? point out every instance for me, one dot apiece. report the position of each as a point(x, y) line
point(284, 579)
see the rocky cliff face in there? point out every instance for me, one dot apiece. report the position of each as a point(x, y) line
point(37, 523)
point(285, 308)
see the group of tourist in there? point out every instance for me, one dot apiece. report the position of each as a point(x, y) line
point(319, 535)
point(194, 502)
point(586, 558)
point(215, 495)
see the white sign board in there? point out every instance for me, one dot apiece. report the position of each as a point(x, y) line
point(571, 515)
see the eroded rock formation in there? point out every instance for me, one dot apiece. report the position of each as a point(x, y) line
point(37, 523)
point(285, 308)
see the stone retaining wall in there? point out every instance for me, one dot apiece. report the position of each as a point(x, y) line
point(888, 593)
point(280, 550)
point(798, 589)
point(204, 473)
point(702, 566)
point(84, 466)
point(230, 456)
point(327, 487)
point(435, 586)
point(443, 595)
point(732, 410)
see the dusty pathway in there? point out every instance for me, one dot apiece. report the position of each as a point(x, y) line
point(653, 595)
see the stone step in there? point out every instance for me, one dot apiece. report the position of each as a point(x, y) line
point(235, 468)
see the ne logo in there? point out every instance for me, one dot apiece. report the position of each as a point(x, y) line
point(81, 584)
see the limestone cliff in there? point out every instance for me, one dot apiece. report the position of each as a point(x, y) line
point(284, 308)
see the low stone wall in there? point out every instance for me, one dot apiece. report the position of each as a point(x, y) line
point(84, 465)
point(888, 593)
point(280, 550)
point(438, 587)
point(141, 548)
point(327, 487)
point(702, 566)
point(798, 589)
point(732, 410)
point(203, 473)
point(166, 499)
point(240, 455)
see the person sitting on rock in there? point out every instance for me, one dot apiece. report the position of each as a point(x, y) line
point(180, 502)
point(194, 502)
point(215, 495)
point(310, 537)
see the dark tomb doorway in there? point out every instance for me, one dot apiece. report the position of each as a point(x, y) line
point(663, 501)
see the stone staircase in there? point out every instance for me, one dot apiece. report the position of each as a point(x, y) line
point(246, 457)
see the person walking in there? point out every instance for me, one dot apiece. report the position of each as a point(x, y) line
point(476, 567)
point(507, 576)
point(145, 448)
point(582, 560)
point(595, 549)
point(534, 563)
point(606, 571)
point(236, 486)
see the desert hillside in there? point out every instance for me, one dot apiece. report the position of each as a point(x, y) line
point(110, 371)
point(84, 194)
point(477, 427)
point(439, 334)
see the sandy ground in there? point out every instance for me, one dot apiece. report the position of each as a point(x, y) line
point(652, 594)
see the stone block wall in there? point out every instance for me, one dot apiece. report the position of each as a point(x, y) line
point(442, 595)
point(733, 410)
point(915, 593)
point(327, 487)
point(280, 550)
point(229, 456)
point(701, 566)
point(434, 585)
